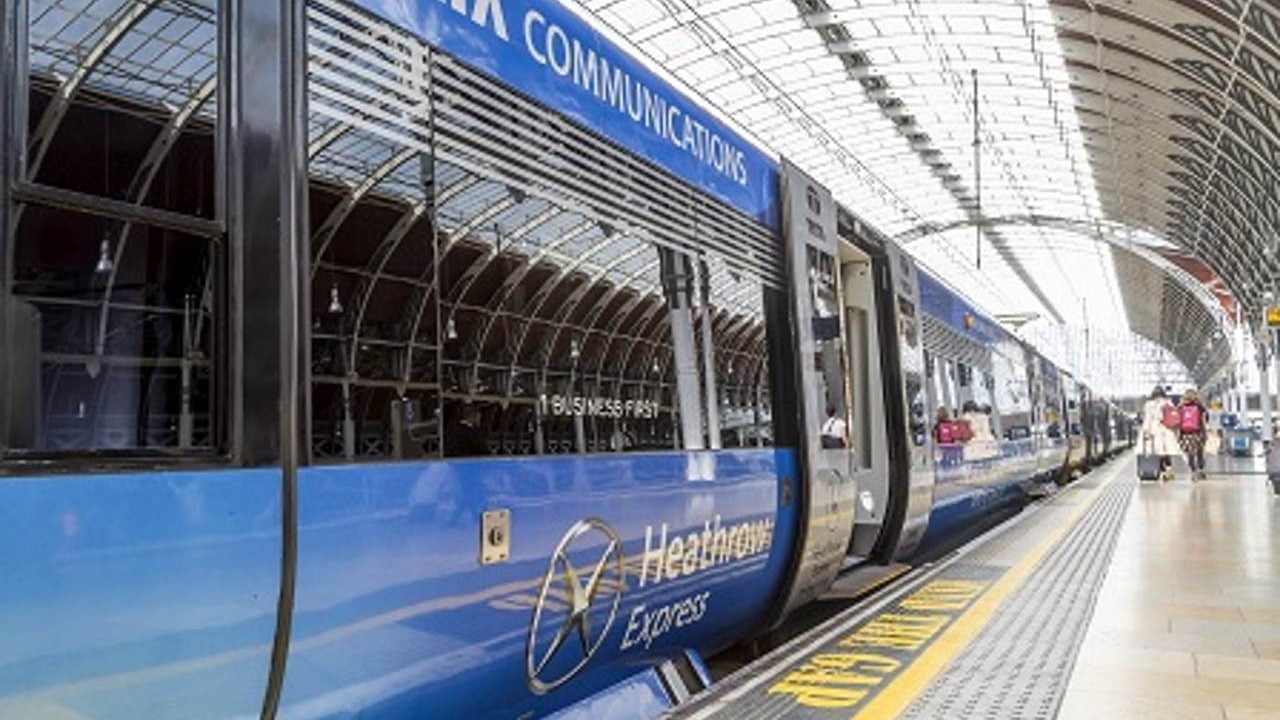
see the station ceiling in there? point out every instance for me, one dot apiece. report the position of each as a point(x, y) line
point(1128, 148)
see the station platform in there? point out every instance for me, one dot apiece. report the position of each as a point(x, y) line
point(1111, 599)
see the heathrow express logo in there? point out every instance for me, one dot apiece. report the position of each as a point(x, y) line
point(589, 595)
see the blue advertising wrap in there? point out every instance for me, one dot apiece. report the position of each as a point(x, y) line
point(939, 301)
point(153, 595)
point(552, 55)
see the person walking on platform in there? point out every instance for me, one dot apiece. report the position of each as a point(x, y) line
point(1159, 434)
point(1193, 420)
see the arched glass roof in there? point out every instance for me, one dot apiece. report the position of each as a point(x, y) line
point(1103, 127)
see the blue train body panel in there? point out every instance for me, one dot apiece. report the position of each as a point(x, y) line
point(148, 595)
point(396, 618)
point(968, 489)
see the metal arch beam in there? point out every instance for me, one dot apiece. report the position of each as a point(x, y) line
point(993, 238)
point(517, 275)
point(1154, 199)
point(561, 319)
point(382, 256)
point(1176, 37)
point(478, 265)
point(329, 228)
point(1193, 111)
point(540, 298)
point(651, 323)
point(124, 20)
point(374, 268)
point(1057, 25)
point(1173, 95)
point(1176, 96)
point(611, 330)
point(1226, 99)
point(1131, 18)
point(1164, 145)
point(1110, 235)
point(647, 338)
point(423, 287)
point(1160, 187)
point(321, 142)
point(460, 233)
point(439, 252)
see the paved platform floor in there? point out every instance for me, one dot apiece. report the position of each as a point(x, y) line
point(1111, 599)
point(1187, 623)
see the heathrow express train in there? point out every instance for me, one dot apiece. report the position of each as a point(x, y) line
point(592, 388)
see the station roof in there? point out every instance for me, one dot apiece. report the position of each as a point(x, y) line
point(1127, 147)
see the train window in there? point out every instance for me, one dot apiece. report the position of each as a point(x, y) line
point(917, 404)
point(113, 350)
point(114, 319)
point(558, 327)
point(828, 356)
point(468, 300)
point(1011, 390)
point(980, 384)
point(457, 313)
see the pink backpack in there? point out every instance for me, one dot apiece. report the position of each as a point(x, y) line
point(1190, 418)
point(946, 432)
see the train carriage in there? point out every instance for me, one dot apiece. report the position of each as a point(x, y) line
point(464, 392)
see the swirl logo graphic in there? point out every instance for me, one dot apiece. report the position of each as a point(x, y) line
point(584, 593)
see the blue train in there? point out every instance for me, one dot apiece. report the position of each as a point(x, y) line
point(458, 366)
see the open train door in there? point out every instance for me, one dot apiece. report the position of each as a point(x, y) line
point(893, 449)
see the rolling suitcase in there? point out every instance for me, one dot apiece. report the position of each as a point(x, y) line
point(1148, 465)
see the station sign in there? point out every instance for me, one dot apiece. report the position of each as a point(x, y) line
point(548, 52)
point(1273, 316)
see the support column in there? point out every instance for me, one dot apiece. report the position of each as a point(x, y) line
point(1264, 387)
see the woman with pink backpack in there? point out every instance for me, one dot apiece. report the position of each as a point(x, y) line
point(1160, 420)
point(1193, 422)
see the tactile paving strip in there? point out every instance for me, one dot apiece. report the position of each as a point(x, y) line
point(1019, 665)
point(1062, 585)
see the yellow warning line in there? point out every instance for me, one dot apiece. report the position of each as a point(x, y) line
point(898, 695)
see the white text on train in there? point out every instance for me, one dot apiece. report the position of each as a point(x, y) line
point(685, 555)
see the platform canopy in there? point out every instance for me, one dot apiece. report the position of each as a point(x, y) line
point(1128, 148)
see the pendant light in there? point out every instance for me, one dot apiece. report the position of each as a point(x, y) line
point(105, 263)
point(335, 302)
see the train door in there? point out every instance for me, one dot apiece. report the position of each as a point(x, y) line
point(889, 387)
point(865, 377)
